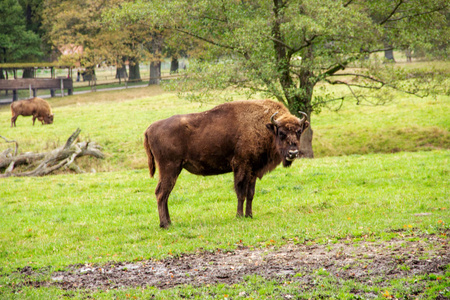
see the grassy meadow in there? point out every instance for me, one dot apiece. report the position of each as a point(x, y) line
point(379, 172)
point(117, 119)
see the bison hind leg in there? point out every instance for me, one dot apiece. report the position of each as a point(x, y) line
point(13, 121)
point(167, 178)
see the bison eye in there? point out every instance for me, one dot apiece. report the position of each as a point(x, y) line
point(299, 133)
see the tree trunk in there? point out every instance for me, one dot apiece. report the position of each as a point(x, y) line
point(389, 55)
point(121, 71)
point(28, 73)
point(89, 74)
point(135, 74)
point(174, 65)
point(306, 148)
point(155, 47)
point(408, 54)
point(303, 103)
point(155, 72)
point(300, 101)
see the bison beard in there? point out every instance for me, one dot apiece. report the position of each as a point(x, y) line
point(248, 138)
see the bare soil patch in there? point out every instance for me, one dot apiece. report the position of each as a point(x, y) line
point(361, 261)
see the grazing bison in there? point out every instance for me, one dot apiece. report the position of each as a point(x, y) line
point(36, 107)
point(248, 138)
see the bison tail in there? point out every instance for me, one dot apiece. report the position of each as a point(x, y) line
point(151, 159)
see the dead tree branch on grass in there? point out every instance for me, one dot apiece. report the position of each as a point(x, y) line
point(51, 161)
point(7, 151)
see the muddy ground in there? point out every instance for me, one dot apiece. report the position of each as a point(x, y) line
point(362, 261)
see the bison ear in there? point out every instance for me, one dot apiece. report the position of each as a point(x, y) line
point(272, 128)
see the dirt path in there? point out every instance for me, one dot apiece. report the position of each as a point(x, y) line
point(358, 260)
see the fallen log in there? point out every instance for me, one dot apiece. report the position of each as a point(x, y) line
point(62, 157)
point(21, 159)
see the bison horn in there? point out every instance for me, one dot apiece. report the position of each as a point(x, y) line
point(272, 120)
point(305, 117)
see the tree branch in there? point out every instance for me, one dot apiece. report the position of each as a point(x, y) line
point(281, 43)
point(392, 12)
point(72, 138)
point(336, 99)
point(335, 69)
point(213, 19)
point(360, 75)
point(61, 157)
point(340, 66)
point(308, 43)
point(12, 141)
point(357, 97)
point(209, 41)
point(416, 15)
point(334, 82)
point(348, 3)
point(382, 84)
point(375, 51)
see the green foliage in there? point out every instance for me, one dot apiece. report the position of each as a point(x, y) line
point(77, 27)
point(428, 28)
point(285, 48)
point(17, 44)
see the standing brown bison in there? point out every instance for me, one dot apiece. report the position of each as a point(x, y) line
point(36, 107)
point(248, 138)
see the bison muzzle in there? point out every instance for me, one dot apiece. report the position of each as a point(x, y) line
point(248, 138)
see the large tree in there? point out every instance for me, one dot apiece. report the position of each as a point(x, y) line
point(71, 23)
point(75, 28)
point(285, 48)
point(17, 44)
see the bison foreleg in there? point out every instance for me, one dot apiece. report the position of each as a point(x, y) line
point(250, 194)
point(34, 119)
point(240, 186)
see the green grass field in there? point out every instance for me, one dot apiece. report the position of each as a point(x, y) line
point(116, 120)
point(70, 219)
point(379, 173)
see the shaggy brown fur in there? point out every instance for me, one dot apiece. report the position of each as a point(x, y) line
point(236, 137)
point(36, 107)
